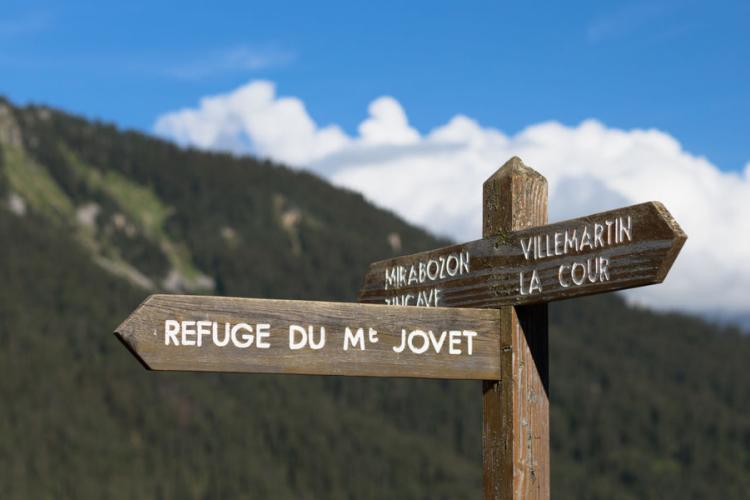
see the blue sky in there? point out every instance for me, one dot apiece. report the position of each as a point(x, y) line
point(681, 67)
point(415, 104)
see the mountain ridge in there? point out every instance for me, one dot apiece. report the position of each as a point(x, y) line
point(643, 404)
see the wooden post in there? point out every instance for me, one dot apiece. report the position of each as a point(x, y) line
point(515, 432)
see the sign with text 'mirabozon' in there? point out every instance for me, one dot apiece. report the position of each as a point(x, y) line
point(623, 248)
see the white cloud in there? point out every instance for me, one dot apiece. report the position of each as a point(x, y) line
point(387, 124)
point(435, 179)
point(252, 119)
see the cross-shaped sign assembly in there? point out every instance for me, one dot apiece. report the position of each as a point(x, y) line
point(485, 317)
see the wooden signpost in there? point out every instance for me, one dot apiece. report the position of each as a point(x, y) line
point(485, 317)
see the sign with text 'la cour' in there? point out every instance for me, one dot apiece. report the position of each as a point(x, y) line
point(623, 248)
point(225, 334)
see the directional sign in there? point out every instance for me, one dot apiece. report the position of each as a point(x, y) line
point(179, 332)
point(623, 248)
point(505, 347)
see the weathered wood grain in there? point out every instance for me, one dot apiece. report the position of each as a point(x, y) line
point(145, 334)
point(515, 431)
point(490, 270)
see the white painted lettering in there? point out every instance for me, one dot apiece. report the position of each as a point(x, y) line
point(454, 342)
point(558, 243)
point(187, 330)
point(464, 260)
point(399, 349)
point(452, 265)
point(298, 331)
point(262, 332)
point(527, 247)
point(563, 283)
point(578, 281)
point(433, 269)
point(571, 242)
point(469, 334)
point(355, 338)
point(246, 338)
point(225, 341)
point(598, 232)
point(390, 277)
point(203, 329)
point(536, 283)
point(626, 230)
point(171, 329)
point(425, 341)
point(585, 239)
point(437, 344)
point(321, 338)
point(603, 271)
point(372, 335)
point(412, 275)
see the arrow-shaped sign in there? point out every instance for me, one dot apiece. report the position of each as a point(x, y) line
point(623, 248)
point(224, 334)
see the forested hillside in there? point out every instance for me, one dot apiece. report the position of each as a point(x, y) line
point(92, 219)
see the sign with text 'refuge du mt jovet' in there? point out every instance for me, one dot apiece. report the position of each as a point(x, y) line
point(224, 334)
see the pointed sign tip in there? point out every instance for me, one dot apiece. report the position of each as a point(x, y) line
point(127, 339)
point(678, 238)
point(125, 332)
point(666, 216)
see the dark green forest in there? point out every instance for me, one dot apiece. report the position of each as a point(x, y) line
point(93, 219)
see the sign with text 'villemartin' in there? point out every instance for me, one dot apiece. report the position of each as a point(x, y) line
point(623, 248)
